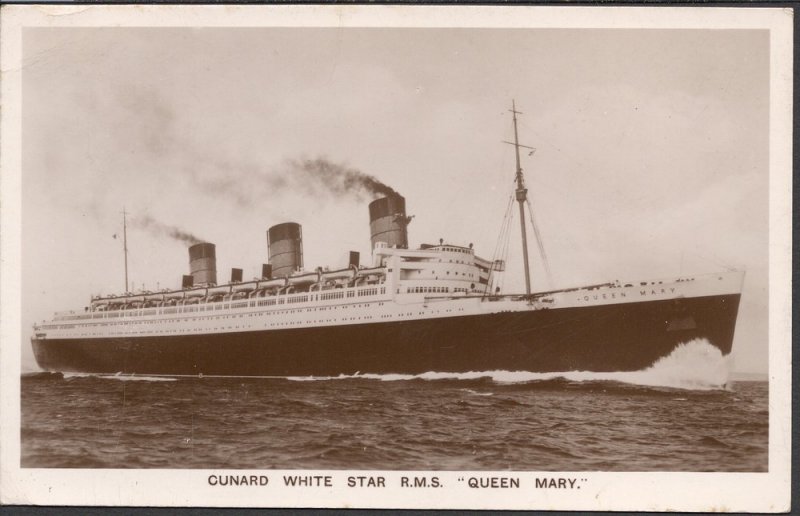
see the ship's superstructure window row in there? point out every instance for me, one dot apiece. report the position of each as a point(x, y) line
point(392, 266)
point(179, 309)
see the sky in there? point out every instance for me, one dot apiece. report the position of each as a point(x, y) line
point(651, 151)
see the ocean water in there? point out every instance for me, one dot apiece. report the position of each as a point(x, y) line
point(681, 414)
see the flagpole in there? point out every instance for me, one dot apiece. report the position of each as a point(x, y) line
point(125, 244)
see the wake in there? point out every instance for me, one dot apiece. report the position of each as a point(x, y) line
point(694, 365)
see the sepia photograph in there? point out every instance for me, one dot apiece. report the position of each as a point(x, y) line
point(370, 258)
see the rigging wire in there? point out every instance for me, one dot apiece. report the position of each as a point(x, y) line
point(540, 244)
point(501, 247)
point(505, 250)
point(500, 252)
point(717, 261)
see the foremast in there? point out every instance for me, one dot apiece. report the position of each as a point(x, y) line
point(522, 197)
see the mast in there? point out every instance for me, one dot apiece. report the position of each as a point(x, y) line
point(125, 244)
point(522, 196)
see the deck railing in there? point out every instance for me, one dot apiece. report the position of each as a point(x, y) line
point(277, 299)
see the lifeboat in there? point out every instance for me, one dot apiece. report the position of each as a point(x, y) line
point(335, 279)
point(306, 279)
point(369, 275)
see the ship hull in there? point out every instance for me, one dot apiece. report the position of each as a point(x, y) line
point(619, 337)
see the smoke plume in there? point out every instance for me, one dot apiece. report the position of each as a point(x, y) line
point(246, 182)
point(146, 130)
point(158, 228)
point(339, 179)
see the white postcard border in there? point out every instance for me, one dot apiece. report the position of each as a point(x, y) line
point(600, 491)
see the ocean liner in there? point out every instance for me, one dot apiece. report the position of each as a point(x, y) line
point(433, 308)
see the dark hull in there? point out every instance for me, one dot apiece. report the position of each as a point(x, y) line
point(622, 337)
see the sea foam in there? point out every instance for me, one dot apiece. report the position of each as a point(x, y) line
point(694, 365)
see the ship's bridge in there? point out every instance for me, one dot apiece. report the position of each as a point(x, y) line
point(435, 269)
